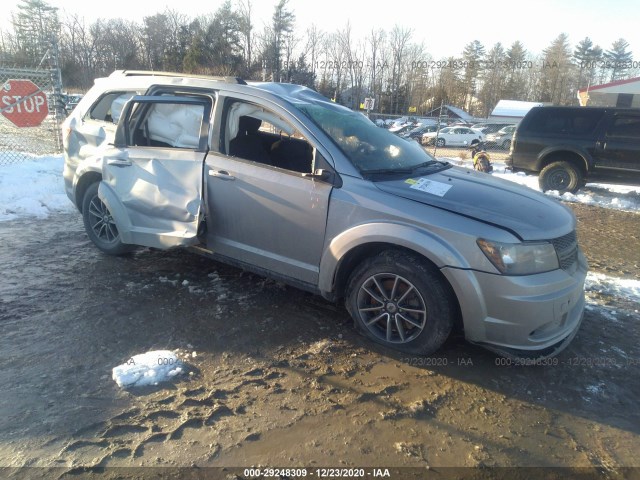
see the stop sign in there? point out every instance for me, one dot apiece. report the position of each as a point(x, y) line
point(22, 102)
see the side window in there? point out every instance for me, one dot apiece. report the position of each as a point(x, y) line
point(625, 126)
point(260, 135)
point(167, 125)
point(109, 107)
point(559, 121)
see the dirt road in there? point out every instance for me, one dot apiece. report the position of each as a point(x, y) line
point(277, 377)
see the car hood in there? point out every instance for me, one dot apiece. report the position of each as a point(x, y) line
point(529, 214)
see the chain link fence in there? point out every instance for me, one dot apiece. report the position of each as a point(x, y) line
point(19, 143)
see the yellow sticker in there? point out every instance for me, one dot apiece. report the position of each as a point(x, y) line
point(411, 181)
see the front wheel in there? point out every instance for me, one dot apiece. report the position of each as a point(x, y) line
point(561, 176)
point(441, 142)
point(99, 224)
point(400, 301)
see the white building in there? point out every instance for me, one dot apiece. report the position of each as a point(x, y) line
point(622, 93)
point(511, 111)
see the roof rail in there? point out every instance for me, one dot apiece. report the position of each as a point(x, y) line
point(151, 73)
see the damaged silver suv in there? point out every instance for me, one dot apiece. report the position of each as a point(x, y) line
point(278, 180)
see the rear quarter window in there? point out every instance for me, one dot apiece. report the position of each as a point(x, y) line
point(109, 107)
point(564, 122)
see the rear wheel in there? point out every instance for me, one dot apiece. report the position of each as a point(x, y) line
point(560, 176)
point(400, 301)
point(99, 224)
point(441, 142)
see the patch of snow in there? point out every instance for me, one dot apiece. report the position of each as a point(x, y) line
point(618, 287)
point(150, 368)
point(616, 197)
point(596, 389)
point(33, 188)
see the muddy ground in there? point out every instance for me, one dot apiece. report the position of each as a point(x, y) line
point(279, 378)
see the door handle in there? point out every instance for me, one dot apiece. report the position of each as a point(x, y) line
point(119, 162)
point(221, 174)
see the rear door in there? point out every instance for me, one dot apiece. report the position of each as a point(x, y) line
point(152, 178)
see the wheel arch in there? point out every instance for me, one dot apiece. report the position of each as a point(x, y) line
point(349, 250)
point(83, 184)
point(359, 254)
point(579, 160)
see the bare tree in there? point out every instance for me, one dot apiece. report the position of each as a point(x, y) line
point(399, 38)
point(314, 41)
point(246, 28)
point(354, 64)
point(377, 67)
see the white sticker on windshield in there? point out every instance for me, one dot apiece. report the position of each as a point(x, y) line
point(429, 186)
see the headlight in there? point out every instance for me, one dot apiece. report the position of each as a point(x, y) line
point(520, 258)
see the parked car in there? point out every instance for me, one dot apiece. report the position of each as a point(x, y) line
point(488, 128)
point(416, 132)
point(453, 137)
point(278, 180)
point(71, 101)
point(501, 138)
point(400, 129)
point(569, 146)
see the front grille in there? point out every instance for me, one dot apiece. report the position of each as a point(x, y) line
point(566, 249)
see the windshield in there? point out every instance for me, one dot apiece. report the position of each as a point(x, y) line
point(368, 147)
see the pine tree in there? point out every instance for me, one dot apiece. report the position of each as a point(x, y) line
point(587, 58)
point(283, 21)
point(618, 59)
point(473, 58)
point(35, 25)
point(558, 70)
point(516, 67)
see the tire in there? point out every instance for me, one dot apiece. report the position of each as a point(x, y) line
point(561, 176)
point(99, 224)
point(441, 142)
point(383, 289)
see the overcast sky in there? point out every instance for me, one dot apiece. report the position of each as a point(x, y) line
point(445, 27)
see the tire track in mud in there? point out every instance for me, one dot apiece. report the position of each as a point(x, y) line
point(167, 418)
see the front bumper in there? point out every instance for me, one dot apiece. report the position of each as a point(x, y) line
point(531, 316)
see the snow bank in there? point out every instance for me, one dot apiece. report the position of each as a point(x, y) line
point(32, 187)
point(149, 368)
point(617, 287)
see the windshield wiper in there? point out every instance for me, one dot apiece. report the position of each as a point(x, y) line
point(382, 171)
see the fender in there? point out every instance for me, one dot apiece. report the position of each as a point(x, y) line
point(582, 153)
point(423, 242)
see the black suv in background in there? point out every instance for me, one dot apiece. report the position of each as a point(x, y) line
point(568, 146)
